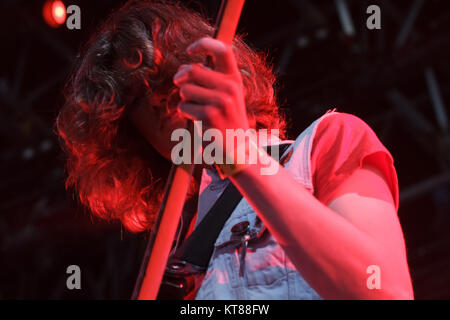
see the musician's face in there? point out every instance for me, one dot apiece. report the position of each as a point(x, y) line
point(156, 123)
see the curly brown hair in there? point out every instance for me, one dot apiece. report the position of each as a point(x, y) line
point(135, 52)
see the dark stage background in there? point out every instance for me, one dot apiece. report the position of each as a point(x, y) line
point(397, 79)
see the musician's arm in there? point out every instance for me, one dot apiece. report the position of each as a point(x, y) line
point(332, 246)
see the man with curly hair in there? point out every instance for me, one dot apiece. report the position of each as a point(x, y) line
point(326, 217)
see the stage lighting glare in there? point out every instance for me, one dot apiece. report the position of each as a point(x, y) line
point(54, 13)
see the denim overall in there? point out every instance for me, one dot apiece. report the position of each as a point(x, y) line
point(247, 262)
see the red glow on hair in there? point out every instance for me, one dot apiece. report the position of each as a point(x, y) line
point(133, 65)
point(111, 167)
point(54, 13)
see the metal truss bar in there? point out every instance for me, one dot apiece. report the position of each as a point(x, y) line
point(286, 57)
point(408, 110)
point(423, 187)
point(274, 36)
point(43, 88)
point(309, 9)
point(436, 99)
point(409, 23)
point(345, 17)
point(20, 72)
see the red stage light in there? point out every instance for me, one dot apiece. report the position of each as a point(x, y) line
point(54, 13)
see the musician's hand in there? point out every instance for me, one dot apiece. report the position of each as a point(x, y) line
point(216, 97)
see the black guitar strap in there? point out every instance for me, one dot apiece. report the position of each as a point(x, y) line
point(197, 249)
